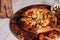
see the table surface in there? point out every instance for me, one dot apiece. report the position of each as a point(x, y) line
point(5, 32)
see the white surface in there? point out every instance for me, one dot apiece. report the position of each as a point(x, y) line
point(5, 33)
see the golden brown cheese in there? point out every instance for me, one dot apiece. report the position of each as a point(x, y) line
point(38, 20)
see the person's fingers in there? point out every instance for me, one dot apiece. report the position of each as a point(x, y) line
point(9, 3)
point(6, 8)
point(3, 13)
point(9, 8)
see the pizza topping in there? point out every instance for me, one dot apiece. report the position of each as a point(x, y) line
point(40, 18)
point(41, 36)
point(34, 16)
point(30, 13)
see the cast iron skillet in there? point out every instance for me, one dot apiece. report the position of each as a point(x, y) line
point(14, 23)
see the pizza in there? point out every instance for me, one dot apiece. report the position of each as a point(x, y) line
point(37, 20)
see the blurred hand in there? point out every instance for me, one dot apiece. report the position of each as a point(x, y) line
point(6, 8)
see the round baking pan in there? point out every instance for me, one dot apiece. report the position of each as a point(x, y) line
point(19, 32)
